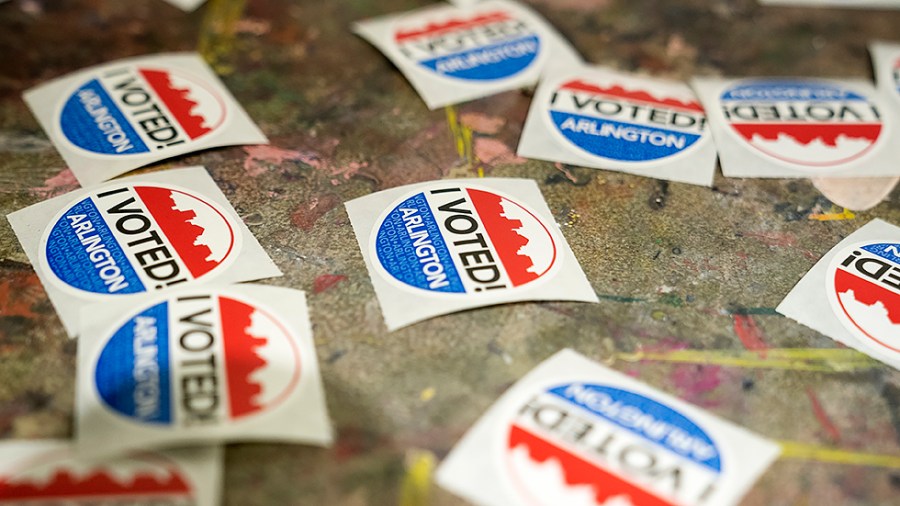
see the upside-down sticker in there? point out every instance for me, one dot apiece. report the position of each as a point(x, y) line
point(48, 472)
point(439, 247)
point(792, 127)
point(137, 235)
point(852, 294)
point(209, 364)
point(596, 117)
point(575, 433)
point(452, 54)
point(115, 117)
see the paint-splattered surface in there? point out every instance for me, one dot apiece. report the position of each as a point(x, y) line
point(688, 276)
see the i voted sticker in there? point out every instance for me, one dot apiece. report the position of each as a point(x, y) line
point(132, 238)
point(852, 294)
point(50, 472)
point(573, 432)
point(452, 54)
point(439, 247)
point(137, 235)
point(597, 117)
point(792, 127)
point(886, 61)
point(210, 364)
point(115, 117)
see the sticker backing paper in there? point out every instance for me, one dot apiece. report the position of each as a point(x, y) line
point(135, 235)
point(48, 472)
point(452, 54)
point(799, 127)
point(597, 117)
point(572, 432)
point(444, 246)
point(886, 61)
point(199, 366)
point(852, 294)
point(109, 119)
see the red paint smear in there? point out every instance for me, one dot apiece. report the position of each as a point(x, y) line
point(64, 485)
point(641, 96)
point(805, 134)
point(578, 471)
point(452, 25)
point(177, 102)
point(824, 420)
point(308, 213)
point(178, 230)
point(506, 240)
point(326, 281)
point(241, 359)
point(749, 334)
point(868, 293)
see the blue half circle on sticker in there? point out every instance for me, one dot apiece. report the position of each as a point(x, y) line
point(788, 91)
point(410, 247)
point(647, 418)
point(92, 121)
point(889, 251)
point(82, 252)
point(621, 141)
point(488, 63)
point(133, 371)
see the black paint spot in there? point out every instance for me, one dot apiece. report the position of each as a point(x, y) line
point(658, 199)
point(747, 384)
point(891, 395)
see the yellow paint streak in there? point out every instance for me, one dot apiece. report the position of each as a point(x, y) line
point(415, 490)
point(217, 32)
point(835, 214)
point(463, 141)
point(802, 451)
point(427, 394)
point(795, 359)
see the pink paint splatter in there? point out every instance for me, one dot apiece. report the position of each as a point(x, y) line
point(749, 334)
point(695, 381)
point(495, 152)
point(308, 213)
point(326, 281)
point(260, 157)
point(63, 182)
point(482, 123)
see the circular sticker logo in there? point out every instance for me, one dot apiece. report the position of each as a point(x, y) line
point(808, 124)
point(57, 477)
point(478, 47)
point(624, 123)
point(190, 360)
point(137, 110)
point(461, 239)
point(863, 286)
point(598, 445)
point(132, 238)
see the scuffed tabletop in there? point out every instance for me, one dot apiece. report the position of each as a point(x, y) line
point(688, 276)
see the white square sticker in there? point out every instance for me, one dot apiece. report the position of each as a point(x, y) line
point(453, 54)
point(444, 246)
point(800, 127)
point(136, 235)
point(572, 432)
point(597, 117)
point(852, 294)
point(109, 119)
point(198, 366)
point(50, 472)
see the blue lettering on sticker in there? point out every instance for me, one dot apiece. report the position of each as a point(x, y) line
point(621, 141)
point(411, 248)
point(788, 91)
point(132, 374)
point(646, 418)
point(487, 63)
point(82, 251)
point(92, 121)
point(889, 251)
